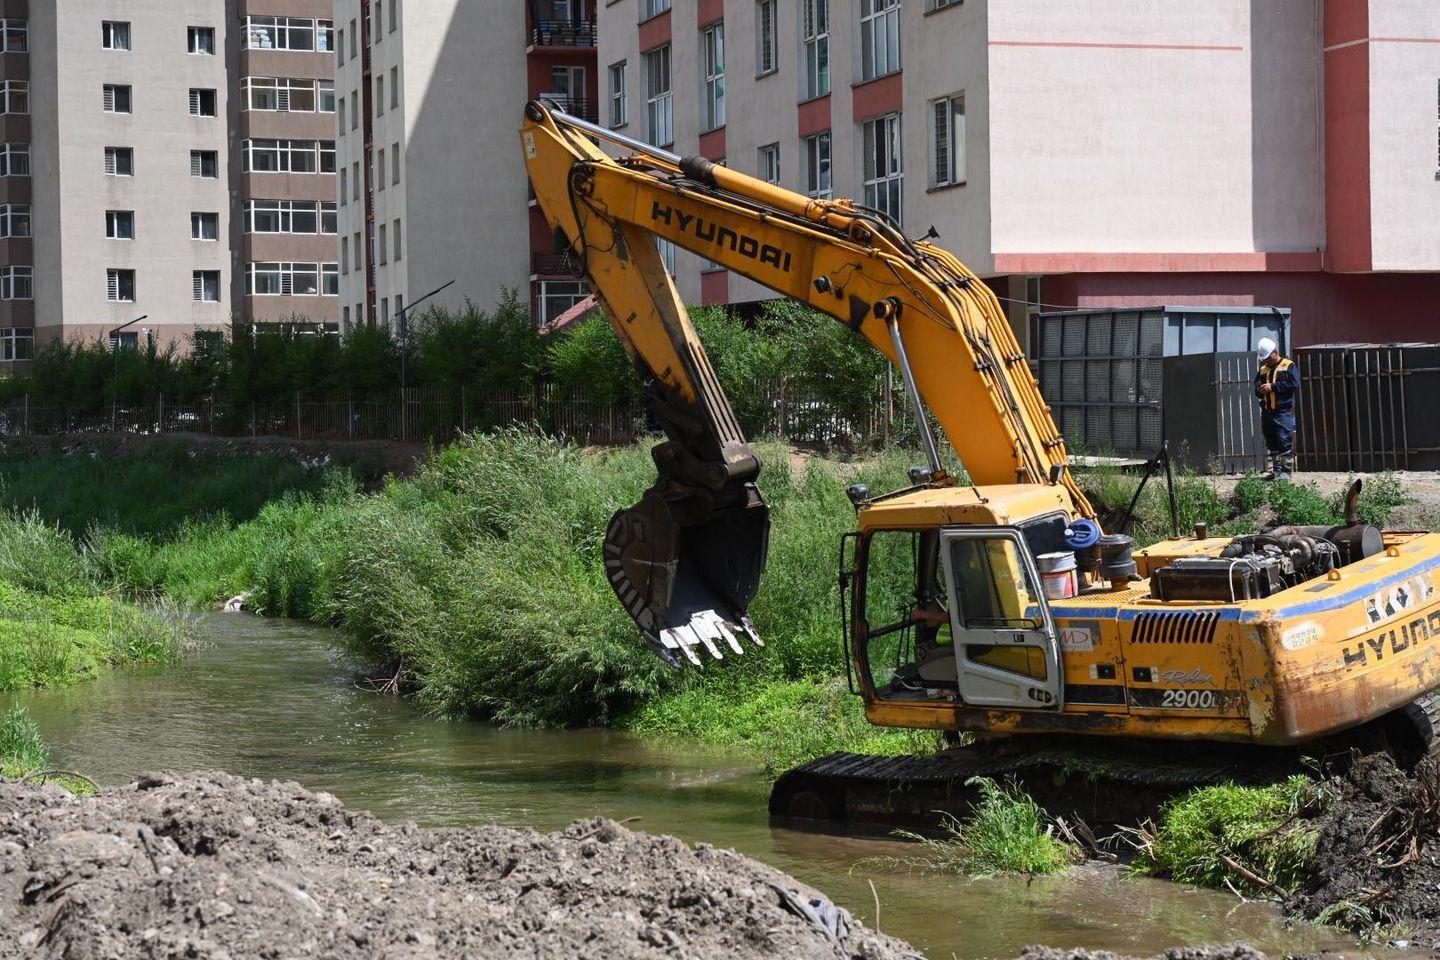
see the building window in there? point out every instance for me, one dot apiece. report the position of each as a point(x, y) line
point(358, 251)
point(394, 164)
point(659, 128)
point(15, 220)
point(120, 286)
point(288, 33)
point(383, 248)
point(15, 96)
point(879, 38)
point(667, 254)
point(14, 36)
point(557, 296)
point(394, 18)
point(653, 8)
point(206, 285)
point(817, 165)
point(344, 185)
point(288, 156)
point(285, 95)
point(394, 88)
point(385, 311)
point(330, 279)
point(883, 171)
point(375, 25)
point(815, 35)
point(380, 95)
point(340, 126)
point(120, 224)
point(200, 40)
point(16, 283)
point(119, 162)
point(115, 98)
point(204, 226)
point(272, 279)
point(203, 102)
point(115, 34)
point(765, 37)
point(356, 182)
point(204, 164)
point(354, 109)
point(340, 48)
point(947, 140)
point(619, 106)
point(324, 96)
point(567, 88)
point(712, 65)
point(354, 40)
point(379, 169)
point(395, 236)
point(769, 166)
point(15, 160)
point(942, 4)
point(17, 344)
point(290, 216)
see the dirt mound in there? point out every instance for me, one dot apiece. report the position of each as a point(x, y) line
point(219, 866)
point(1377, 856)
point(1237, 951)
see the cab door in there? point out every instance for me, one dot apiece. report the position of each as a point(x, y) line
point(1007, 653)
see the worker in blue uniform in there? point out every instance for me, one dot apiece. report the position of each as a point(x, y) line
point(1277, 384)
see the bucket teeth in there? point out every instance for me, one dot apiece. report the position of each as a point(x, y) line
point(704, 629)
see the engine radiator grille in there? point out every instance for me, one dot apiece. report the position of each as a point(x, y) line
point(1175, 628)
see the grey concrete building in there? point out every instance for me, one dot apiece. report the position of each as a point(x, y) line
point(432, 184)
point(141, 149)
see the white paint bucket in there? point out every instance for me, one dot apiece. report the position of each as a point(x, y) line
point(1057, 574)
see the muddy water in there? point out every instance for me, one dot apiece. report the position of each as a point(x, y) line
point(266, 698)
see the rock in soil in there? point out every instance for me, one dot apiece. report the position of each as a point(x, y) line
point(1377, 856)
point(213, 865)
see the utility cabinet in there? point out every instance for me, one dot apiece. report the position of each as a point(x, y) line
point(1120, 381)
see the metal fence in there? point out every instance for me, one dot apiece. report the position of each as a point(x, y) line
point(782, 408)
point(1366, 406)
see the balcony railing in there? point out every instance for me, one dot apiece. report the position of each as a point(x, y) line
point(546, 263)
point(563, 33)
point(584, 109)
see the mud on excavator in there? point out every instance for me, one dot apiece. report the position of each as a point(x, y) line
point(996, 607)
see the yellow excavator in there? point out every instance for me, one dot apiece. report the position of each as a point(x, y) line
point(998, 606)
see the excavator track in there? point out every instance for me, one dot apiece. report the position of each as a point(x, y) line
point(1105, 782)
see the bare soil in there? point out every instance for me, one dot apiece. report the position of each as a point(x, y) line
point(1377, 857)
point(214, 865)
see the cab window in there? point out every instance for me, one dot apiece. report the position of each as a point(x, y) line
point(993, 585)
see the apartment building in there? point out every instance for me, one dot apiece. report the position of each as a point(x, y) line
point(283, 231)
point(1232, 153)
point(432, 186)
point(140, 177)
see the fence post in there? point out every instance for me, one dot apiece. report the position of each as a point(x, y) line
point(888, 409)
point(350, 416)
point(26, 429)
point(252, 418)
point(113, 414)
point(784, 410)
point(403, 436)
point(299, 434)
point(160, 414)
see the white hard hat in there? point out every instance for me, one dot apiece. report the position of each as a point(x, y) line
point(1264, 348)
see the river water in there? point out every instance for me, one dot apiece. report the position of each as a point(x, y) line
point(268, 698)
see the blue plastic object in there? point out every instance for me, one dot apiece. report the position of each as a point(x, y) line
point(1082, 534)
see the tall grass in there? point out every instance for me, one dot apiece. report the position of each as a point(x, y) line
point(57, 626)
point(21, 749)
point(149, 493)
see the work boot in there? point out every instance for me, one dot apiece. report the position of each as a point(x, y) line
point(1273, 469)
point(1284, 467)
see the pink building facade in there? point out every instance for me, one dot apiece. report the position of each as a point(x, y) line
point(1233, 153)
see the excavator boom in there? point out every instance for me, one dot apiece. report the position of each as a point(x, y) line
point(686, 561)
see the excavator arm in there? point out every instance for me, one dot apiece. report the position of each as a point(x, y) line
point(686, 561)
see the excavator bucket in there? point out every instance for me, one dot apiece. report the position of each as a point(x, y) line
point(686, 567)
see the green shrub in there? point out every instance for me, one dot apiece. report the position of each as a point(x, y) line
point(21, 749)
point(1380, 494)
point(1255, 827)
point(1006, 832)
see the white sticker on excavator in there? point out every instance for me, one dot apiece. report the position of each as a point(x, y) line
point(1079, 637)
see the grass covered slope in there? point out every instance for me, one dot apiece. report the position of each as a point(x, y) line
point(57, 627)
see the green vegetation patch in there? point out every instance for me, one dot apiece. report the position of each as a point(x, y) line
point(21, 749)
point(1254, 839)
point(1006, 832)
point(56, 626)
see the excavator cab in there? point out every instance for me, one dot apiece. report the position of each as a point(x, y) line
point(911, 591)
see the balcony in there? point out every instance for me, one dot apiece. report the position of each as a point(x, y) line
point(584, 109)
point(546, 263)
point(563, 33)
